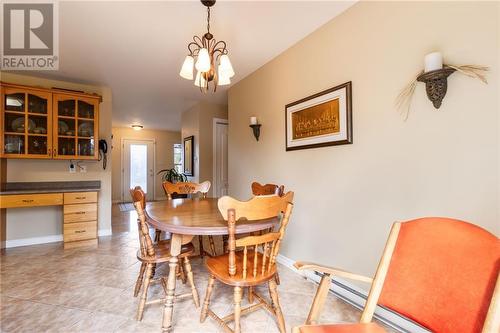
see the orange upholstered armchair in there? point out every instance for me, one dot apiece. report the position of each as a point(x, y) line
point(439, 272)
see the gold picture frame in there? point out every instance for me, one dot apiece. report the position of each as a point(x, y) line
point(323, 119)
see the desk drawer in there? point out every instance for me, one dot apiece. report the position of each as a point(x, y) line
point(80, 231)
point(79, 197)
point(30, 200)
point(80, 213)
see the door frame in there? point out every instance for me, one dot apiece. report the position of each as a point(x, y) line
point(122, 164)
point(214, 144)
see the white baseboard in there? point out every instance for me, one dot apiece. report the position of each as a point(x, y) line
point(33, 241)
point(46, 239)
point(104, 232)
point(357, 297)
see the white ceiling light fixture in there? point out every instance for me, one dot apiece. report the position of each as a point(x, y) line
point(137, 127)
point(208, 54)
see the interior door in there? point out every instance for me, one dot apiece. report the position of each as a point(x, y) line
point(220, 157)
point(138, 167)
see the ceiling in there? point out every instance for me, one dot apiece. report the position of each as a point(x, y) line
point(137, 47)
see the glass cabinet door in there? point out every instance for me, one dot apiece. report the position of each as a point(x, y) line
point(75, 127)
point(26, 123)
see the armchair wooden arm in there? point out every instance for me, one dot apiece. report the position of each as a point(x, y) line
point(332, 271)
point(324, 285)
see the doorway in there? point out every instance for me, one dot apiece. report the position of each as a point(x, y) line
point(220, 179)
point(138, 167)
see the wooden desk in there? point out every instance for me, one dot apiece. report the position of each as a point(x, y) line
point(79, 209)
point(184, 219)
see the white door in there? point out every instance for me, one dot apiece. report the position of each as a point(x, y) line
point(220, 158)
point(138, 167)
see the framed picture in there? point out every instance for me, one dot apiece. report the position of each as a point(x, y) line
point(189, 156)
point(323, 119)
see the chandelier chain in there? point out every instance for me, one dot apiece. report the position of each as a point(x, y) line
point(208, 19)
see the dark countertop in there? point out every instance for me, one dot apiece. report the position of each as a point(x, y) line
point(49, 187)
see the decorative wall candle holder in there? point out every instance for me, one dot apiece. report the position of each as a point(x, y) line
point(436, 84)
point(256, 130)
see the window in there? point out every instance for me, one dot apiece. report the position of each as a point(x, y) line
point(178, 157)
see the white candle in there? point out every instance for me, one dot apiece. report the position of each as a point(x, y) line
point(253, 120)
point(433, 61)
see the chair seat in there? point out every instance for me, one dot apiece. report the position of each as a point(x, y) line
point(342, 328)
point(162, 252)
point(219, 267)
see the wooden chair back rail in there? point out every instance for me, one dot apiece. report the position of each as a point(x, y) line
point(145, 242)
point(268, 189)
point(186, 188)
point(254, 209)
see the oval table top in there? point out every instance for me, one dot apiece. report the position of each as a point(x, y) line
point(198, 216)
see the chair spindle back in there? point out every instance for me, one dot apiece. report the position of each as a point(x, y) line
point(186, 188)
point(257, 208)
point(145, 242)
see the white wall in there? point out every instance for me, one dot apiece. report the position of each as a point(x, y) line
point(198, 121)
point(438, 163)
point(164, 155)
point(47, 221)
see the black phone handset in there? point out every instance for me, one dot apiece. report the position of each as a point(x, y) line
point(103, 150)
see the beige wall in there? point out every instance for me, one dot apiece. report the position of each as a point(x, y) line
point(198, 121)
point(47, 221)
point(438, 163)
point(164, 155)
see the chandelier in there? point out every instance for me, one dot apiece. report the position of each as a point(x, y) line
point(209, 58)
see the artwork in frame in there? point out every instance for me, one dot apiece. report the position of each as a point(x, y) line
point(323, 119)
point(189, 156)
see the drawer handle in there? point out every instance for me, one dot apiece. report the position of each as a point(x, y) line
point(28, 200)
point(79, 231)
point(80, 198)
point(80, 213)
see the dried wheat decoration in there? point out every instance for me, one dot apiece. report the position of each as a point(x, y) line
point(403, 101)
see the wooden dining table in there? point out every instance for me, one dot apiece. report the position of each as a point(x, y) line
point(184, 219)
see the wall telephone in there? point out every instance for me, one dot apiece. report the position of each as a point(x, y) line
point(103, 150)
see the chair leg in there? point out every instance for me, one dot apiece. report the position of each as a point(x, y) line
point(206, 303)
point(200, 240)
point(250, 295)
point(225, 239)
point(237, 309)
point(138, 283)
point(181, 274)
point(153, 270)
point(277, 278)
point(157, 235)
point(144, 296)
point(212, 245)
point(276, 305)
point(189, 273)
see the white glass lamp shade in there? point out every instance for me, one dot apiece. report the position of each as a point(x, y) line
point(203, 61)
point(200, 80)
point(223, 79)
point(187, 68)
point(225, 66)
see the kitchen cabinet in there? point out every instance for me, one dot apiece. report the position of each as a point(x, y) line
point(48, 123)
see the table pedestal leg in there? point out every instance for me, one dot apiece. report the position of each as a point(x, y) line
point(175, 249)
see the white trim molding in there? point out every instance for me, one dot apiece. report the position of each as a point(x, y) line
point(33, 241)
point(46, 239)
point(357, 296)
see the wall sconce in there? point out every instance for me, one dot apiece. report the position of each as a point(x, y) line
point(435, 77)
point(255, 127)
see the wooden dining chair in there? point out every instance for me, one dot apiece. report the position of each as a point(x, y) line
point(268, 189)
point(255, 264)
point(150, 254)
point(191, 189)
point(441, 273)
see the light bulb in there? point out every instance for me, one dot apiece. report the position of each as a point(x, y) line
point(203, 61)
point(223, 79)
point(225, 66)
point(187, 68)
point(200, 80)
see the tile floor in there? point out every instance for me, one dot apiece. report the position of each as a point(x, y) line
point(44, 288)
